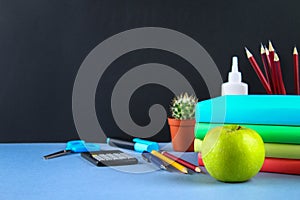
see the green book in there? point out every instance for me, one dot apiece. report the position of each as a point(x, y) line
point(273, 150)
point(269, 133)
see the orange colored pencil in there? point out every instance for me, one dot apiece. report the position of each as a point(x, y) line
point(258, 71)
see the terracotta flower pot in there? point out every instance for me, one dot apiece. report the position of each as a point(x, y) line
point(182, 134)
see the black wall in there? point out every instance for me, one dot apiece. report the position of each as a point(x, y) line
point(43, 43)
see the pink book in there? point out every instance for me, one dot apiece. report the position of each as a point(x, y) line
point(274, 165)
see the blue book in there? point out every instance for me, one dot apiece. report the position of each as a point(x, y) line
point(250, 109)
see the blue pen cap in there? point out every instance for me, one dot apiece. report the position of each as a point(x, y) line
point(145, 145)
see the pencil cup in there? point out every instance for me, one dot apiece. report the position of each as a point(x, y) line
point(182, 134)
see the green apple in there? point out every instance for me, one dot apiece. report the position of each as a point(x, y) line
point(233, 153)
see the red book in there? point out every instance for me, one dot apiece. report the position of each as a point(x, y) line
point(274, 165)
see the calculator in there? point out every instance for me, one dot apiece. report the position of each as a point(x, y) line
point(109, 158)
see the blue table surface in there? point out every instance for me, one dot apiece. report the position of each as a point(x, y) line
point(24, 174)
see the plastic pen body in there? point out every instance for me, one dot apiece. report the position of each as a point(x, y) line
point(120, 143)
point(156, 161)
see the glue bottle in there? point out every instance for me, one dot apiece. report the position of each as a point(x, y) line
point(234, 86)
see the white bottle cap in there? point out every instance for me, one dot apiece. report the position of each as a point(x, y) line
point(234, 75)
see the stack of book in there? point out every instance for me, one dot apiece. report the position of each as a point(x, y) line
point(275, 117)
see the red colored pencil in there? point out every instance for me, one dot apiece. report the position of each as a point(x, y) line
point(272, 71)
point(279, 73)
point(265, 64)
point(271, 57)
point(182, 162)
point(258, 71)
point(296, 71)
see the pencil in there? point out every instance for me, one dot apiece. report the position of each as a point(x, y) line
point(279, 73)
point(183, 162)
point(273, 74)
point(296, 71)
point(176, 165)
point(153, 159)
point(271, 57)
point(258, 71)
point(265, 64)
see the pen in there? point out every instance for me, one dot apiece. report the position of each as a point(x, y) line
point(176, 165)
point(156, 161)
point(120, 143)
point(138, 144)
point(183, 162)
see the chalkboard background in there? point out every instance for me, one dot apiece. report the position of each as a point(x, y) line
point(44, 42)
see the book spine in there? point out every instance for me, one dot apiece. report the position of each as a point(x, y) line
point(287, 151)
point(269, 133)
point(250, 109)
point(274, 165)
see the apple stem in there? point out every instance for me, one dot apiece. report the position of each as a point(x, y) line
point(238, 128)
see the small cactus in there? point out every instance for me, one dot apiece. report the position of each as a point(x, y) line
point(183, 106)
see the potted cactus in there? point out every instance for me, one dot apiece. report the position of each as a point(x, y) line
point(182, 122)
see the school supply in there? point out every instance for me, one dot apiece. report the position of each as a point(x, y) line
point(269, 133)
point(272, 80)
point(274, 165)
point(138, 144)
point(250, 109)
point(272, 150)
point(109, 158)
point(182, 162)
point(155, 160)
point(171, 162)
point(75, 146)
point(234, 86)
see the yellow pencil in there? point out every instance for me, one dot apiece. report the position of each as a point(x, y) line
point(176, 165)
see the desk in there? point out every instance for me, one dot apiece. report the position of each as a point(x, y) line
point(24, 174)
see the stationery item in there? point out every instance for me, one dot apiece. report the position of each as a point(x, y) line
point(75, 146)
point(279, 74)
point(138, 145)
point(272, 150)
point(173, 163)
point(266, 64)
point(155, 160)
point(273, 82)
point(109, 158)
point(296, 71)
point(234, 85)
point(269, 133)
point(183, 162)
point(274, 165)
point(258, 71)
point(250, 109)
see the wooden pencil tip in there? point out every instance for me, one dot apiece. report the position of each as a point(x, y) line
point(271, 48)
point(295, 51)
point(197, 169)
point(248, 53)
point(185, 171)
point(276, 58)
point(262, 49)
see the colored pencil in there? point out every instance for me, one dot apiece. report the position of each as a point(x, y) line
point(279, 74)
point(266, 64)
point(258, 71)
point(296, 71)
point(271, 57)
point(272, 74)
point(173, 163)
point(183, 162)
